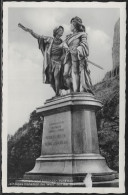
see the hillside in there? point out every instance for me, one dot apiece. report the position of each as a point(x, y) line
point(108, 120)
point(25, 145)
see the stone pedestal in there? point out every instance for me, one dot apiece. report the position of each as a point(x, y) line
point(70, 146)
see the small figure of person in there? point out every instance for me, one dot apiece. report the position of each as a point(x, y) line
point(52, 57)
point(76, 71)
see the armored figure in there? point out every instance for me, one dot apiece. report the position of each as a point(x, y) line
point(76, 71)
point(52, 57)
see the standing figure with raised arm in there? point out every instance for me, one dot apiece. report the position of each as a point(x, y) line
point(52, 57)
point(76, 68)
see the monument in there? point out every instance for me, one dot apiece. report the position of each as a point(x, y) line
point(70, 150)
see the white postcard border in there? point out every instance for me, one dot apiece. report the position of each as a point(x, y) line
point(122, 7)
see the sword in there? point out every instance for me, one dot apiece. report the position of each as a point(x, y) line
point(94, 64)
point(66, 47)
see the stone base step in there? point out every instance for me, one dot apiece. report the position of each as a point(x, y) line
point(32, 183)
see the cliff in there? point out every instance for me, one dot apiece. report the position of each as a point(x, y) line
point(116, 45)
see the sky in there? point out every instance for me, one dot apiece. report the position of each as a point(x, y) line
point(26, 91)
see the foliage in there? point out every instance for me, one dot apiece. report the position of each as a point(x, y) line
point(24, 147)
point(108, 120)
point(109, 147)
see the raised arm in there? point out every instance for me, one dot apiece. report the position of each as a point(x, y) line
point(30, 31)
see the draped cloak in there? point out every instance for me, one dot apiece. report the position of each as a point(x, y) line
point(52, 58)
point(45, 44)
point(78, 43)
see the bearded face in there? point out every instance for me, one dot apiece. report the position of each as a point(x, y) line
point(76, 25)
point(73, 26)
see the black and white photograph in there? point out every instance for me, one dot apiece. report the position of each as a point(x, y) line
point(63, 110)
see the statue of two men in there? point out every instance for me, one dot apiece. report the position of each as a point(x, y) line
point(64, 62)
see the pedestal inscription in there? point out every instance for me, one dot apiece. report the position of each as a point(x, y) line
point(57, 134)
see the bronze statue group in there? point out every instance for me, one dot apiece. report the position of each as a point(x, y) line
point(65, 62)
